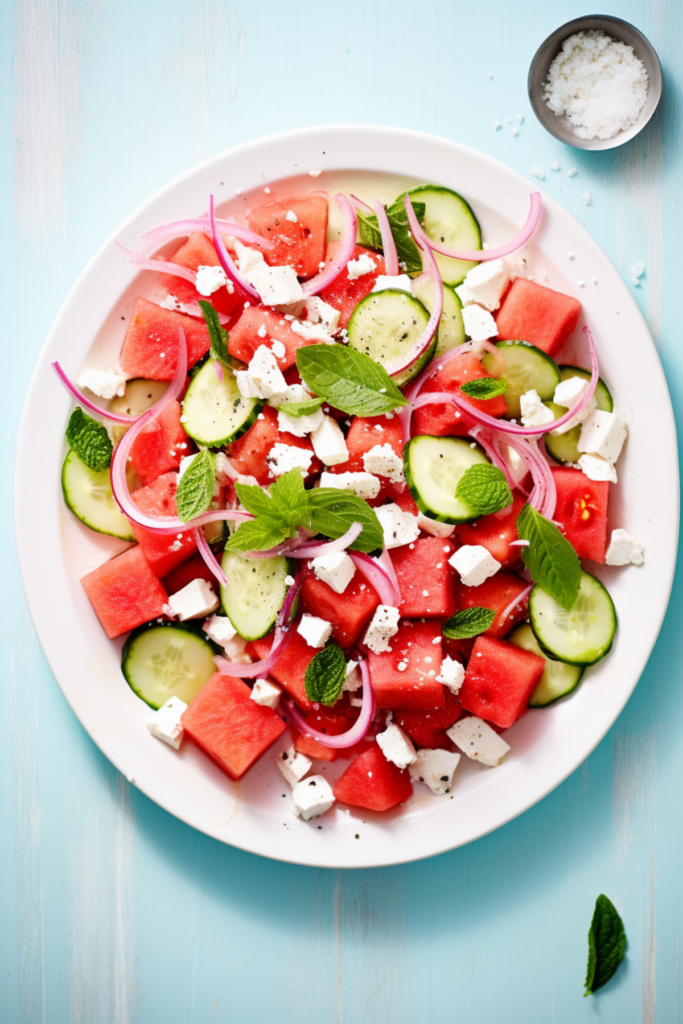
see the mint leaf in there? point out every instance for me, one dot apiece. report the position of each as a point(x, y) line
point(349, 380)
point(407, 251)
point(301, 408)
point(89, 439)
point(218, 336)
point(195, 489)
point(325, 675)
point(550, 558)
point(485, 387)
point(484, 488)
point(468, 623)
point(332, 512)
point(258, 535)
point(606, 945)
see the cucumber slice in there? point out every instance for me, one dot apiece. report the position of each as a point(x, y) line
point(173, 660)
point(255, 593)
point(581, 636)
point(449, 219)
point(451, 331)
point(526, 367)
point(140, 396)
point(214, 411)
point(563, 448)
point(433, 467)
point(385, 325)
point(88, 495)
point(559, 678)
point(603, 398)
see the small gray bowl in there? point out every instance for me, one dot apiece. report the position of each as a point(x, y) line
point(548, 50)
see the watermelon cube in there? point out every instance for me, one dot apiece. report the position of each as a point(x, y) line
point(496, 593)
point(150, 348)
point(199, 251)
point(290, 668)
point(125, 592)
point(344, 293)
point(299, 240)
point(248, 453)
point(425, 579)
point(581, 512)
point(372, 782)
point(163, 551)
point(531, 312)
point(324, 720)
point(428, 728)
point(229, 726)
point(496, 533)
point(405, 676)
point(194, 568)
point(245, 337)
point(446, 420)
point(160, 445)
point(364, 433)
point(499, 680)
point(349, 612)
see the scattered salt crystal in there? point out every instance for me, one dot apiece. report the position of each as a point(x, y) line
point(538, 173)
point(570, 255)
point(572, 172)
point(267, 190)
point(314, 174)
point(554, 166)
point(514, 131)
point(581, 284)
point(497, 125)
point(594, 280)
point(587, 198)
point(636, 272)
point(489, 74)
point(520, 118)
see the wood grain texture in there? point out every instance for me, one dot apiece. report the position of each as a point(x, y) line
point(112, 911)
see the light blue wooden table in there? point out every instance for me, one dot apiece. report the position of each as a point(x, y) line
point(110, 909)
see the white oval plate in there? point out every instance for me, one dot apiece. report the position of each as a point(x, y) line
point(546, 745)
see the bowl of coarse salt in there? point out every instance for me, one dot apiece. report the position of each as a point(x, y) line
point(595, 82)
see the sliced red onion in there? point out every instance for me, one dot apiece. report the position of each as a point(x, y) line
point(82, 400)
point(385, 561)
point(388, 243)
point(140, 259)
point(360, 205)
point(209, 557)
point(357, 731)
point(486, 442)
point(179, 228)
point(286, 548)
point(378, 577)
point(226, 260)
point(329, 547)
point(482, 255)
point(218, 369)
point(518, 600)
point(347, 243)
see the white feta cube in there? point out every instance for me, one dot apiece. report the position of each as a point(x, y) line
point(329, 443)
point(474, 563)
point(194, 601)
point(336, 569)
point(283, 457)
point(433, 526)
point(382, 460)
point(266, 693)
point(291, 216)
point(478, 323)
point(264, 372)
point(316, 632)
point(210, 279)
point(383, 626)
point(185, 463)
point(247, 258)
point(479, 741)
point(597, 468)
point(485, 284)
point(435, 768)
point(534, 412)
point(165, 723)
point(220, 629)
point(567, 394)
point(292, 393)
point(365, 485)
point(396, 746)
point(312, 332)
point(320, 312)
point(452, 674)
point(624, 550)
point(401, 281)
point(360, 267)
point(354, 678)
point(300, 426)
point(399, 527)
point(583, 414)
point(276, 285)
point(105, 383)
point(312, 797)
point(603, 433)
point(293, 765)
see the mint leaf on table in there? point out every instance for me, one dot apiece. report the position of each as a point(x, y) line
point(89, 440)
point(550, 558)
point(468, 623)
point(484, 488)
point(195, 489)
point(485, 387)
point(301, 408)
point(407, 251)
point(218, 336)
point(349, 380)
point(606, 945)
point(325, 675)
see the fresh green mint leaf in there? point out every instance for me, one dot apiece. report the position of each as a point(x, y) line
point(485, 387)
point(218, 336)
point(301, 408)
point(550, 558)
point(333, 511)
point(325, 675)
point(484, 488)
point(606, 945)
point(195, 489)
point(258, 534)
point(407, 251)
point(468, 623)
point(90, 440)
point(349, 380)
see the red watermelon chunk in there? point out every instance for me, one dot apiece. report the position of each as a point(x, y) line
point(150, 348)
point(581, 512)
point(160, 445)
point(364, 433)
point(413, 687)
point(194, 568)
point(496, 593)
point(163, 551)
point(248, 453)
point(428, 728)
point(229, 726)
point(125, 592)
point(499, 680)
point(199, 251)
point(372, 782)
point(349, 612)
point(496, 533)
point(344, 293)
point(531, 312)
point(425, 579)
point(290, 668)
point(324, 720)
point(446, 420)
point(245, 339)
point(298, 243)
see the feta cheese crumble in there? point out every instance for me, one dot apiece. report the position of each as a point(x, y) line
point(434, 527)
point(104, 383)
point(277, 286)
point(360, 267)
point(401, 281)
point(320, 312)
point(383, 626)
point(396, 746)
point(383, 461)
point(220, 629)
point(210, 279)
point(291, 216)
point(263, 377)
point(485, 284)
point(293, 765)
point(336, 569)
point(597, 468)
point(624, 550)
point(194, 601)
point(316, 632)
point(534, 412)
point(329, 443)
point(452, 674)
point(603, 433)
point(312, 797)
point(266, 693)
point(365, 485)
point(165, 723)
point(399, 527)
point(309, 331)
point(283, 457)
point(567, 394)
point(478, 323)
point(435, 768)
point(474, 563)
point(479, 741)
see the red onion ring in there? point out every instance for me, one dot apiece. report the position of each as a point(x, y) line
point(140, 259)
point(178, 228)
point(347, 243)
point(360, 205)
point(378, 577)
point(520, 597)
point(482, 255)
point(82, 400)
point(329, 547)
point(388, 243)
point(209, 557)
point(357, 731)
point(226, 260)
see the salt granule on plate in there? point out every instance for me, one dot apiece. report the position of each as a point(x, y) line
point(597, 84)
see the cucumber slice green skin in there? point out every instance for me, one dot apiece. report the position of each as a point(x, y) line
point(255, 593)
point(559, 678)
point(141, 395)
point(526, 367)
point(581, 636)
point(603, 396)
point(563, 448)
point(386, 325)
point(89, 496)
point(433, 467)
point(215, 413)
point(449, 219)
point(170, 660)
point(451, 331)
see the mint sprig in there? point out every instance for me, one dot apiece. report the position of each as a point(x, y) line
point(349, 380)
point(297, 409)
point(606, 945)
point(550, 558)
point(218, 336)
point(407, 251)
point(325, 675)
point(485, 387)
point(195, 489)
point(484, 488)
point(89, 440)
point(468, 623)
